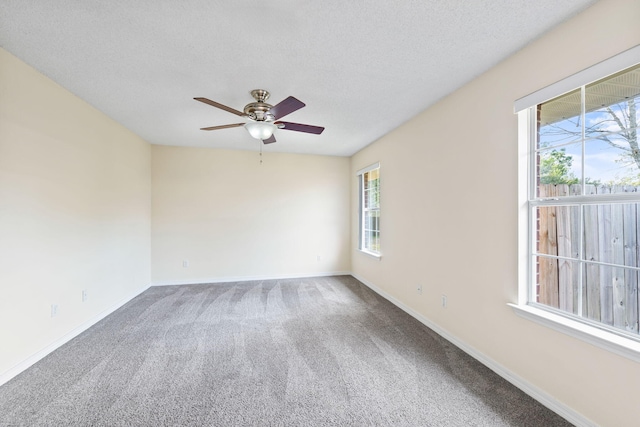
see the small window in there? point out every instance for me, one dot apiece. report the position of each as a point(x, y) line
point(369, 185)
point(584, 203)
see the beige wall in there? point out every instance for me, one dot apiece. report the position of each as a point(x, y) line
point(74, 212)
point(232, 218)
point(449, 208)
point(79, 195)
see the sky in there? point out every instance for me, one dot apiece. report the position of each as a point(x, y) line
point(602, 161)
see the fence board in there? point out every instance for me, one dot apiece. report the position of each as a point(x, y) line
point(567, 270)
point(579, 291)
point(618, 276)
point(605, 254)
point(592, 271)
point(576, 241)
point(630, 212)
point(608, 294)
point(547, 244)
point(575, 189)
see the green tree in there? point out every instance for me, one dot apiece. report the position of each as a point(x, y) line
point(555, 168)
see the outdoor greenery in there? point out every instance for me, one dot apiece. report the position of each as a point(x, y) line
point(555, 168)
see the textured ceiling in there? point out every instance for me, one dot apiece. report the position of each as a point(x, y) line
point(362, 67)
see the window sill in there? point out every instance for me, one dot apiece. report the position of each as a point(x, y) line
point(371, 254)
point(609, 341)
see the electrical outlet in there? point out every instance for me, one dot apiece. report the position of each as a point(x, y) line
point(85, 295)
point(185, 263)
point(318, 258)
point(54, 310)
point(443, 300)
point(419, 289)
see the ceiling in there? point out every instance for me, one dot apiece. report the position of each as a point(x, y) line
point(361, 68)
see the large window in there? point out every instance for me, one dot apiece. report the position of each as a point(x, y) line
point(584, 203)
point(369, 184)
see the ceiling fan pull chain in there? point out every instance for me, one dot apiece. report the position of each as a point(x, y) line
point(260, 153)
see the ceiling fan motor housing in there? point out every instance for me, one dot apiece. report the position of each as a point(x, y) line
point(259, 110)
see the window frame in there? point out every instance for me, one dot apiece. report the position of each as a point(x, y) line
point(362, 210)
point(599, 334)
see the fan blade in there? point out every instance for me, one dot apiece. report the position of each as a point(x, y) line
point(300, 127)
point(285, 107)
point(235, 125)
point(220, 106)
point(269, 140)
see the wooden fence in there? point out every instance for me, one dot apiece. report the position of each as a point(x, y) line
point(608, 294)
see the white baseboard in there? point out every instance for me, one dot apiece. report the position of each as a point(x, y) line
point(245, 278)
point(12, 372)
point(533, 391)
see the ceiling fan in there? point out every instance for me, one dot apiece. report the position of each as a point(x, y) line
point(263, 117)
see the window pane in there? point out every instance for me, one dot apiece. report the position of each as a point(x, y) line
point(372, 197)
point(618, 117)
point(611, 233)
point(374, 174)
point(558, 231)
point(610, 161)
point(372, 231)
point(370, 239)
point(610, 296)
point(559, 120)
point(558, 283)
point(375, 220)
point(370, 220)
point(560, 171)
point(611, 120)
point(375, 241)
point(371, 189)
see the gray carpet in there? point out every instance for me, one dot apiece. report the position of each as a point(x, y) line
point(299, 352)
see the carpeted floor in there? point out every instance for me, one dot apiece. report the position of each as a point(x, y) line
point(301, 352)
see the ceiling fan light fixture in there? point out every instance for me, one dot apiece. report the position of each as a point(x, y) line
point(261, 130)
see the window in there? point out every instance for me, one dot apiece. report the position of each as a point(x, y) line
point(583, 203)
point(369, 184)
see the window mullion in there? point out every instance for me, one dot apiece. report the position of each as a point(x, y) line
point(532, 189)
point(583, 192)
point(582, 138)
